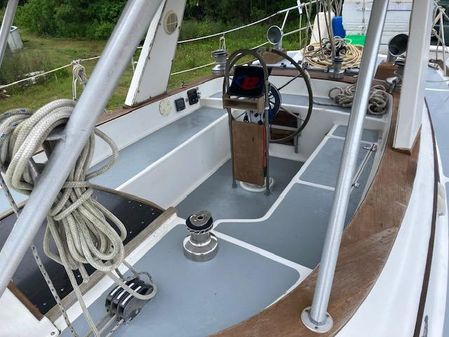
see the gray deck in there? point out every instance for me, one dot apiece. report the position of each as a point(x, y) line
point(139, 155)
point(136, 157)
point(218, 196)
point(197, 299)
point(323, 169)
point(297, 228)
point(371, 136)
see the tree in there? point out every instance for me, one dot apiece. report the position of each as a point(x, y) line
point(71, 18)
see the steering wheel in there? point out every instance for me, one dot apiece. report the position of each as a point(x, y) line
point(274, 92)
point(274, 99)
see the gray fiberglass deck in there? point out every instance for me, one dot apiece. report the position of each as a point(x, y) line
point(295, 230)
point(197, 299)
point(218, 196)
point(319, 172)
point(139, 155)
point(437, 97)
point(297, 227)
point(371, 136)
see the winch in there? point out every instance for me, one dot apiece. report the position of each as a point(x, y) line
point(201, 245)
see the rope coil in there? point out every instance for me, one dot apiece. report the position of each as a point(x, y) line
point(83, 230)
point(378, 98)
point(319, 54)
point(77, 223)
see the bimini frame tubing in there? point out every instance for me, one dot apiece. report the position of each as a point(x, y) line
point(316, 317)
point(8, 19)
point(132, 25)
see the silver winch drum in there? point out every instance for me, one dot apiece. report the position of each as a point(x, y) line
point(201, 245)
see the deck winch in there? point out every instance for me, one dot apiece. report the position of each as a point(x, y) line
point(201, 245)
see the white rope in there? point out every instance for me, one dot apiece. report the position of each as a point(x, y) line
point(78, 75)
point(76, 219)
point(34, 77)
point(319, 55)
point(344, 97)
point(83, 230)
point(301, 5)
point(24, 80)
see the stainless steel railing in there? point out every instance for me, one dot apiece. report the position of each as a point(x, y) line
point(8, 18)
point(316, 317)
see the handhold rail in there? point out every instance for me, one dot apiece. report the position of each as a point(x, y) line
point(316, 317)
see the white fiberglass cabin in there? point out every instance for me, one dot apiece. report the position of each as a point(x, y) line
point(299, 194)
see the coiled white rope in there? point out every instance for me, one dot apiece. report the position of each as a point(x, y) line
point(319, 55)
point(83, 230)
point(378, 98)
point(78, 221)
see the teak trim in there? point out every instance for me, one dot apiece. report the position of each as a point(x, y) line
point(365, 248)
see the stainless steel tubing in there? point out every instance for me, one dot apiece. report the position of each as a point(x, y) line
point(132, 25)
point(317, 316)
point(8, 19)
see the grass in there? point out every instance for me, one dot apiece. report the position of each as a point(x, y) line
point(54, 52)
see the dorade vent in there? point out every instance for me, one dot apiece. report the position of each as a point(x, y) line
point(170, 22)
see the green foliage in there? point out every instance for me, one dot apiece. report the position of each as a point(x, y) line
point(71, 18)
point(16, 65)
point(95, 19)
point(234, 11)
point(192, 28)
